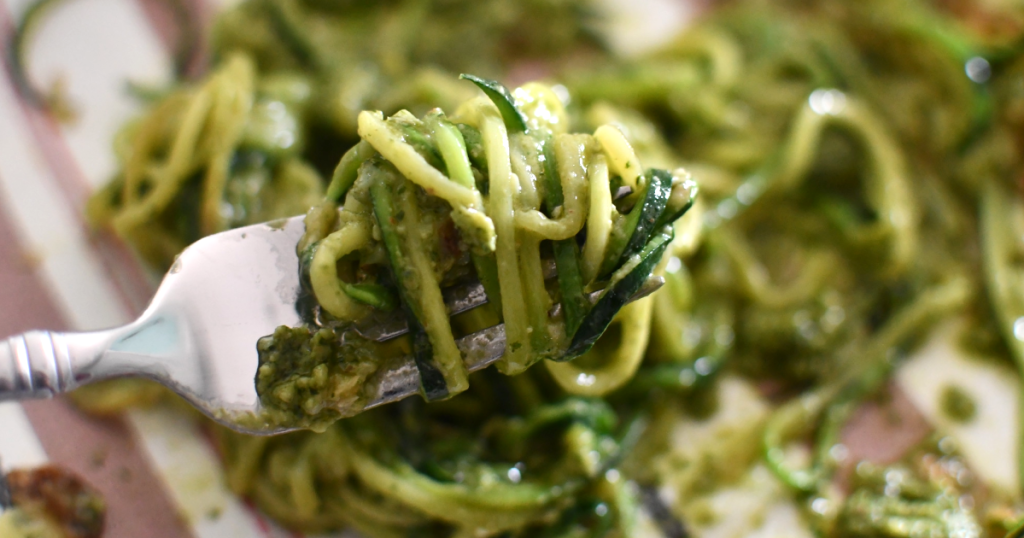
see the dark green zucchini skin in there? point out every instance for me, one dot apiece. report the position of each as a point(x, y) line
point(671, 215)
point(375, 295)
point(347, 171)
point(566, 251)
point(487, 272)
point(432, 382)
point(617, 295)
point(513, 118)
point(680, 199)
point(631, 234)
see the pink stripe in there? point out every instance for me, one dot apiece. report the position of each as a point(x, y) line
point(250, 507)
point(25, 299)
point(258, 516)
point(104, 453)
point(161, 20)
point(133, 288)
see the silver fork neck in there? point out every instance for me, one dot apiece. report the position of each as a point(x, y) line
point(40, 364)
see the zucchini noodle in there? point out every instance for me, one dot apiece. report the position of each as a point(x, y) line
point(217, 111)
point(599, 220)
point(617, 370)
point(323, 274)
point(390, 144)
point(502, 186)
point(887, 192)
point(622, 160)
point(409, 194)
point(224, 154)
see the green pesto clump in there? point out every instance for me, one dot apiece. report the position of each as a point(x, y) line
point(921, 495)
point(957, 404)
point(310, 378)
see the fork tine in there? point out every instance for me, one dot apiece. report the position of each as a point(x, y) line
point(457, 299)
point(399, 378)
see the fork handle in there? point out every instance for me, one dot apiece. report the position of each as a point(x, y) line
point(40, 364)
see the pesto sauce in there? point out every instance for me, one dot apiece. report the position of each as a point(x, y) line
point(309, 378)
point(924, 494)
point(957, 404)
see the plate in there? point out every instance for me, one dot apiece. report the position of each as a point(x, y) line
point(156, 468)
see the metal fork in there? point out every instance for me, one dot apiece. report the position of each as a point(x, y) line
point(198, 336)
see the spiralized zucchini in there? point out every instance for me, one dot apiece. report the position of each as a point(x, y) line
point(223, 154)
point(484, 193)
point(289, 82)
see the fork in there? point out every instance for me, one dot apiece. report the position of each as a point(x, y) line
point(198, 336)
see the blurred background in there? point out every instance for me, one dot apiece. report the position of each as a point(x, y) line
point(83, 78)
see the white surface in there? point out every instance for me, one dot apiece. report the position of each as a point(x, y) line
point(19, 446)
point(94, 47)
point(638, 26)
point(47, 227)
point(192, 474)
point(758, 507)
point(749, 502)
point(989, 441)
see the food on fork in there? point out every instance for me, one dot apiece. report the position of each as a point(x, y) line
point(491, 195)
